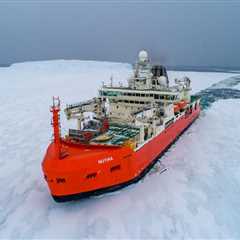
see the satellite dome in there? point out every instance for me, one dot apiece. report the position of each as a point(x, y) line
point(143, 56)
point(163, 81)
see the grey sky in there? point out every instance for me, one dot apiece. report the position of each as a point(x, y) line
point(190, 33)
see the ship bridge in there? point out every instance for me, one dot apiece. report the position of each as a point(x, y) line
point(148, 87)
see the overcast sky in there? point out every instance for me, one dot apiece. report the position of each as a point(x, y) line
point(190, 33)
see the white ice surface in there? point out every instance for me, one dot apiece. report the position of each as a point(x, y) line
point(237, 87)
point(197, 197)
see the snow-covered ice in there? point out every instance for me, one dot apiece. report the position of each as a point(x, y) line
point(197, 197)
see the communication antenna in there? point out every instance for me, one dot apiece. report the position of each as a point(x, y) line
point(111, 80)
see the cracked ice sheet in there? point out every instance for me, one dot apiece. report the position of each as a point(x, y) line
point(196, 197)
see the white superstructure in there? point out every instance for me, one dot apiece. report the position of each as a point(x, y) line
point(146, 102)
point(148, 87)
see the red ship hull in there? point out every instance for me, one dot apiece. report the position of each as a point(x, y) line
point(85, 170)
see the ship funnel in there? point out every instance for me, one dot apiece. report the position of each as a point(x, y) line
point(55, 109)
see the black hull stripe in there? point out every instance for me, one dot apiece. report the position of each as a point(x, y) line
point(97, 192)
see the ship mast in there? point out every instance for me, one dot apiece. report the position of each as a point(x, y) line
point(55, 109)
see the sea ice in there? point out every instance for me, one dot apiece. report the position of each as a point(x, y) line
point(197, 197)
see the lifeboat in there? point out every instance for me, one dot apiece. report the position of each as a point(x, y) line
point(176, 108)
point(182, 104)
